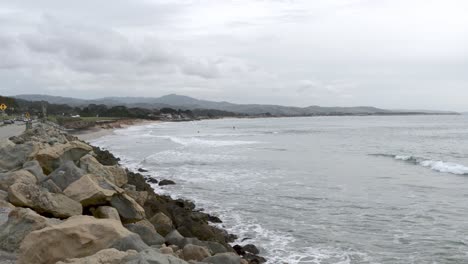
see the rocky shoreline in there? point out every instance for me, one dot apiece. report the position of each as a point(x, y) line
point(65, 201)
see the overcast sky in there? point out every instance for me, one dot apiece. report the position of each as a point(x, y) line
point(393, 54)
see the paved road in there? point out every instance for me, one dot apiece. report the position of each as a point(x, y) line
point(11, 130)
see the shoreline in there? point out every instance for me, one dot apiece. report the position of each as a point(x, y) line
point(62, 191)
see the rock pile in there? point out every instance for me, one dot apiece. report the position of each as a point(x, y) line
point(64, 201)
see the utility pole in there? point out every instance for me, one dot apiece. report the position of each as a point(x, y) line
point(44, 111)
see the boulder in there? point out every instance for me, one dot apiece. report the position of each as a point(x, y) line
point(115, 174)
point(42, 201)
point(251, 248)
point(7, 257)
point(152, 256)
point(223, 258)
point(105, 256)
point(91, 190)
point(50, 186)
point(174, 238)
point(193, 252)
point(13, 156)
point(35, 169)
point(254, 258)
point(166, 182)
point(139, 197)
point(77, 237)
point(106, 212)
point(162, 223)
point(21, 221)
point(51, 157)
point(66, 174)
point(105, 157)
point(20, 176)
point(147, 233)
point(129, 210)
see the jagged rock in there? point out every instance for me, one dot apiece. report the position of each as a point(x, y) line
point(7, 257)
point(129, 187)
point(254, 258)
point(21, 221)
point(152, 256)
point(142, 170)
point(66, 174)
point(79, 236)
point(13, 156)
point(162, 223)
point(50, 186)
point(91, 190)
point(35, 169)
point(166, 182)
point(193, 252)
point(105, 256)
point(20, 176)
point(105, 157)
point(106, 212)
point(115, 174)
point(147, 233)
point(223, 258)
point(174, 238)
point(51, 157)
point(251, 248)
point(42, 201)
point(129, 210)
point(139, 197)
point(151, 180)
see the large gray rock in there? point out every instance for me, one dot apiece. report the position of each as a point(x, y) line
point(7, 257)
point(90, 190)
point(152, 256)
point(9, 178)
point(193, 252)
point(175, 238)
point(77, 237)
point(105, 256)
point(42, 201)
point(147, 233)
point(224, 258)
point(21, 222)
point(35, 169)
point(115, 174)
point(162, 223)
point(66, 174)
point(13, 156)
point(129, 210)
point(106, 212)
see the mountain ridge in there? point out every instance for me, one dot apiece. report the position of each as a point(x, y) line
point(190, 103)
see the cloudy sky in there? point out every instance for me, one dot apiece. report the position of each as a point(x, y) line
point(393, 54)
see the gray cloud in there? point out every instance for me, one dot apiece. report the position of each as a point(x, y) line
point(327, 52)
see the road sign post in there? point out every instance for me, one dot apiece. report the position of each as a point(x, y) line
point(3, 107)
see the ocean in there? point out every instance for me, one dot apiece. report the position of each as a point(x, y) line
point(372, 189)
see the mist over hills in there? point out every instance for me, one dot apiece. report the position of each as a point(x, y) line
point(189, 103)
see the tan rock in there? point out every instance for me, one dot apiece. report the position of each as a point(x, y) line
point(9, 178)
point(193, 252)
point(42, 201)
point(166, 250)
point(21, 221)
point(106, 212)
point(105, 256)
point(162, 223)
point(139, 197)
point(115, 174)
point(88, 190)
point(50, 157)
point(77, 237)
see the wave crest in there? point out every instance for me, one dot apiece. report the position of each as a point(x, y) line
point(435, 165)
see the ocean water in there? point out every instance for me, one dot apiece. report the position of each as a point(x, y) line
point(320, 189)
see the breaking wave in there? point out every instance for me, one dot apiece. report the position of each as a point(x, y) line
point(188, 141)
point(435, 165)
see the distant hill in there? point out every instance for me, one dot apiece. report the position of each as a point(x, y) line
point(186, 102)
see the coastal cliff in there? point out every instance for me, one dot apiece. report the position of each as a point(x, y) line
point(65, 201)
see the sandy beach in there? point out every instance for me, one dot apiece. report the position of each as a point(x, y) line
point(97, 132)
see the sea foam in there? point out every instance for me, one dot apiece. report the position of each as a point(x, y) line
point(436, 165)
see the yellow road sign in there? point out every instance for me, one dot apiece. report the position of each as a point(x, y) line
point(3, 107)
point(27, 115)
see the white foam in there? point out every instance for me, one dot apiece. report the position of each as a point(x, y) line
point(436, 165)
point(188, 141)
